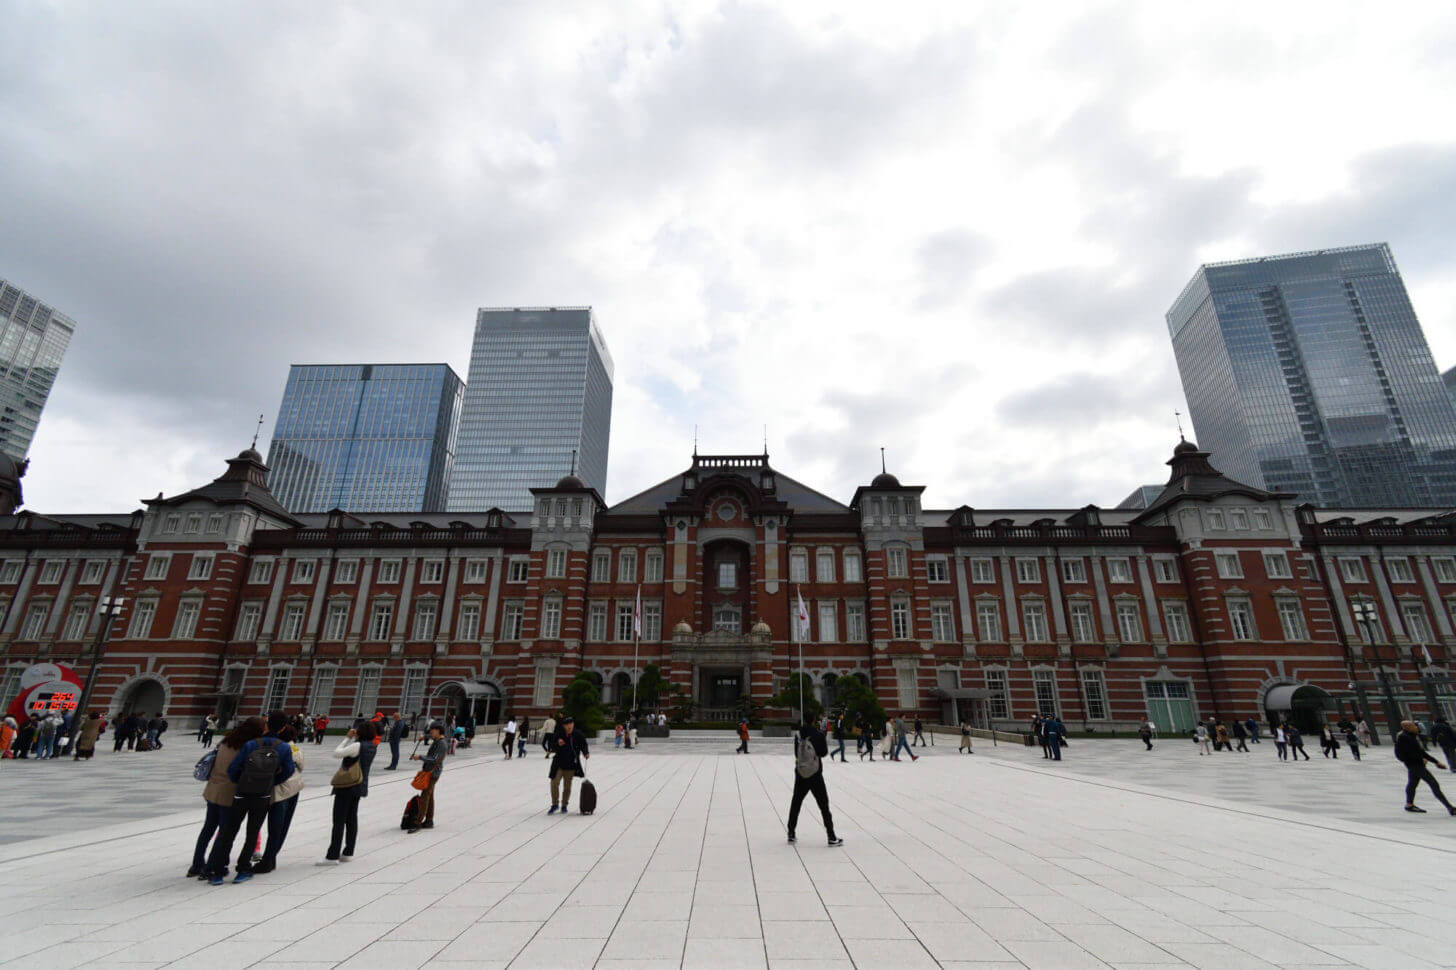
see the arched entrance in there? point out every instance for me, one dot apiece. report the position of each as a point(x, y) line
point(141, 696)
point(479, 700)
point(1305, 706)
point(621, 689)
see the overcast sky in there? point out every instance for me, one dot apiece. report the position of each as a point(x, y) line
point(950, 230)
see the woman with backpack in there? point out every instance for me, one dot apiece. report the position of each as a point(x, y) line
point(285, 801)
point(350, 783)
point(218, 793)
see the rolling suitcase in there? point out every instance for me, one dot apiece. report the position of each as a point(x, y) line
point(411, 813)
point(587, 800)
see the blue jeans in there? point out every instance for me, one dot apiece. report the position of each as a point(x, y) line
point(838, 751)
point(393, 753)
point(280, 816)
point(211, 822)
point(1054, 745)
point(900, 742)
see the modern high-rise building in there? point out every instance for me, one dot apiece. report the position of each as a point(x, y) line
point(33, 339)
point(365, 437)
point(1449, 378)
point(1309, 373)
point(540, 388)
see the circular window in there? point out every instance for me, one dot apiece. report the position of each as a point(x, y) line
point(727, 511)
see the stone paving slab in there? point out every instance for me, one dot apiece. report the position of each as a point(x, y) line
point(995, 860)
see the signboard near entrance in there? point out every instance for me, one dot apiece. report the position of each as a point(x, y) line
point(46, 689)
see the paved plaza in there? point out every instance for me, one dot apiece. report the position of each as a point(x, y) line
point(1114, 857)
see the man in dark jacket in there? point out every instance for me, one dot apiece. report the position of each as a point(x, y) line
point(1052, 734)
point(434, 763)
point(1413, 755)
point(1445, 737)
point(810, 749)
point(396, 734)
point(251, 800)
point(568, 751)
point(919, 733)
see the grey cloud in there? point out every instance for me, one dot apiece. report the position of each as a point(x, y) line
point(947, 262)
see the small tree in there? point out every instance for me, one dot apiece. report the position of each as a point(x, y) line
point(582, 700)
point(860, 703)
point(651, 688)
point(812, 710)
point(748, 709)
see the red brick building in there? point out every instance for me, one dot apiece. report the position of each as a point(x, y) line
point(1217, 600)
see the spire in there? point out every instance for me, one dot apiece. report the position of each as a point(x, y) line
point(883, 469)
point(256, 432)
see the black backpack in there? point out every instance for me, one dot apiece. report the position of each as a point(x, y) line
point(411, 813)
point(259, 769)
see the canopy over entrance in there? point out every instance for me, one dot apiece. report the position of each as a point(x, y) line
point(1286, 697)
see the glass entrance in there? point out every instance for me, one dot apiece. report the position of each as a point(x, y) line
point(1170, 707)
point(723, 690)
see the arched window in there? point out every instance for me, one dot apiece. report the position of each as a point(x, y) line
point(728, 618)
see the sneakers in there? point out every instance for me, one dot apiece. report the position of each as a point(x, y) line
point(214, 880)
point(564, 809)
point(792, 839)
point(263, 868)
point(242, 877)
point(834, 841)
point(332, 862)
point(427, 824)
point(346, 857)
point(554, 809)
point(412, 830)
point(193, 873)
point(1415, 808)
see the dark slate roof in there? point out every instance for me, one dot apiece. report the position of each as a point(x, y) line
point(1195, 478)
point(795, 494)
point(245, 482)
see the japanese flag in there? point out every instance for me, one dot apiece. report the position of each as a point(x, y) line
point(637, 614)
point(802, 619)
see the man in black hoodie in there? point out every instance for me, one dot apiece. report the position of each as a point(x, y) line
point(809, 751)
point(1413, 755)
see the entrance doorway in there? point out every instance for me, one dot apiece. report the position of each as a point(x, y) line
point(1170, 705)
point(146, 696)
point(1305, 706)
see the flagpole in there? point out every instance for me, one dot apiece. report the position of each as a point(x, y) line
point(799, 629)
point(636, 646)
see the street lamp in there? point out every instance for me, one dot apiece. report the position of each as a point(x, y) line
point(1365, 616)
point(108, 607)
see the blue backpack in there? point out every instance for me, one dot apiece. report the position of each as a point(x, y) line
point(203, 769)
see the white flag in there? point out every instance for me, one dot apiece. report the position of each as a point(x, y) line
point(637, 614)
point(803, 618)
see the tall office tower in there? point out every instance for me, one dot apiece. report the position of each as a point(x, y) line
point(1310, 373)
point(33, 339)
point(540, 387)
point(1449, 378)
point(365, 437)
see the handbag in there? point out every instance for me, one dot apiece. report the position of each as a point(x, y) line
point(348, 776)
point(421, 780)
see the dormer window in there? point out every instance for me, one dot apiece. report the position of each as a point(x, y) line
point(727, 574)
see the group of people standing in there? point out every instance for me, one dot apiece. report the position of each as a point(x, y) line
point(1051, 734)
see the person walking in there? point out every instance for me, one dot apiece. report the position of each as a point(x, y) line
point(1412, 754)
point(839, 730)
point(285, 802)
point(548, 728)
point(320, 725)
point(1241, 734)
point(1040, 734)
point(1056, 734)
point(1145, 733)
point(617, 735)
point(1296, 743)
point(9, 731)
point(1221, 736)
point(523, 734)
point(45, 736)
point(809, 751)
point(350, 783)
point(1200, 738)
point(867, 735)
point(433, 761)
point(259, 766)
point(1353, 740)
point(919, 733)
point(85, 746)
point(209, 729)
point(566, 763)
point(509, 744)
point(742, 737)
point(1445, 739)
point(397, 730)
point(966, 738)
point(1253, 726)
point(1362, 731)
point(902, 740)
point(1328, 742)
point(219, 791)
point(1281, 741)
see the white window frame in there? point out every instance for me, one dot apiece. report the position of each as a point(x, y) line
point(601, 567)
point(622, 624)
point(1444, 567)
point(201, 566)
point(467, 626)
point(143, 613)
point(36, 615)
point(1034, 621)
point(1094, 693)
point(304, 570)
point(158, 564)
point(426, 621)
point(513, 619)
point(11, 570)
point(555, 563)
point(193, 525)
point(854, 623)
point(798, 566)
point(367, 688)
point(998, 691)
point(1276, 566)
point(249, 616)
point(1048, 702)
point(476, 570)
point(77, 620)
point(290, 627)
point(1262, 521)
point(519, 569)
point(853, 566)
point(432, 572)
point(1400, 569)
point(652, 567)
point(412, 688)
point(1216, 521)
point(172, 524)
point(1119, 570)
point(828, 617)
point(93, 572)
point(988, 623)
point(346, 571)
point(627, 566)
point(51, 572)
point(260, 572)
point(1229, 564)
point(897, 562)
point(1238, 520)
point(1352, 569)
point(1028, 570)
point(189, 612)
point(321, 691)
point(942, 623)
point(336, 621)
point(1074, 570)
point(1177, 623)
point(937, 569)
point(389, 571)
point(1291, 618)
point(381, 620)
point(651, 621)
point(596, 622)
point(824, 565)
point(214, 524)
point(983, 570)
point(1242, 625)
point(901, 625)
point(551, 618)
point(1078, 611)
point(275, 694)
point(1129, 622)
point(1417, 623)
point(1165, 569)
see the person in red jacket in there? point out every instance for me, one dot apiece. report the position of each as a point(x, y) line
point(319, 724)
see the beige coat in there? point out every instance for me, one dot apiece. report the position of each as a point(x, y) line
point(294, 784)
point(220, 789)
point(89, 733)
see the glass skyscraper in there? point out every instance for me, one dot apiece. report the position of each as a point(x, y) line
point(1310, 373)
point(365, 437)
point(33, 339)
point(540, 387)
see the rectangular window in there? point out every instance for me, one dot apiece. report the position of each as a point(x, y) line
point(942, 623)
point(988, 619)
point(1400, 570)
point(1239, 520)
point(1094, 689)
point(194, 524)
point(601, 567)
point(520, 568)
point(511, 621)
point(1241, 620)
point(10, 572)
point(469, 626)
point(556, 564)
point(1445, 570)
point(346, 571)
point(336, 624)
point(1129, 623)
point(475, 570)
point(544, 690)
point(141, 619)
point(366, 698)
point(1416, 626)
point(1291, 620)
point(35, 621)
point(1046, 692)
point(824, 565)
point(1215, 520)
point(853, 568)
point(1033, 617)
point(214, 524)
point(936, 570)
point(10, 685)
point(412, 695)
point(76, 622)
point(276, 695)
point(292, 628)
point(1165, 570)
point(185, 626)
point(172, 524)
point(900, 620)
point(1262, 520)
point(854, 622)
point(1028, 570)
point(1352, 569)
point(248, 616)
point(95, 569)
point(999, 699)
point(652, 568)
point(1228, 564)
point(389, 570)
point(652, 621)
point(261, 571)
point(982, 571)
point(551, 619)
point(906, 690)
point(425, 614)
point(50, 573)
point(303, 570)
point(1367, 621)
point(828, 623)
point(596, 622)
point(201, 567)
point(1276, 566)
point(727, 575)
point(1083, 628)
point(381, 621)
point(1119, 571)
point(432, 571)
point(627, 566)
point(321, 694)
point(624, 622)
point(1175, 615)
point(896, 564)
point(1074, 571)
point(157, 565)
point(798, 566)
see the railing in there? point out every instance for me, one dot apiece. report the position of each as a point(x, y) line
point(715, 714)
point(729, 461)
point(1443, 533)
point(280, 538)
point(67, 539)
point(1045, 533)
